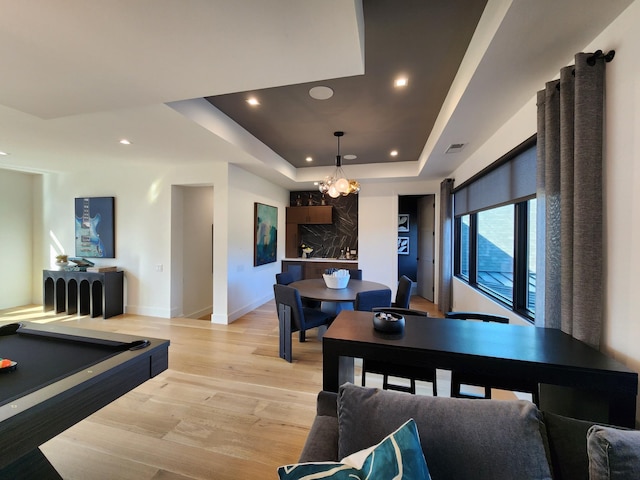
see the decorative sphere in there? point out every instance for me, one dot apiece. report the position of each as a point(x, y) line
point(333, 192)
point(342, 185)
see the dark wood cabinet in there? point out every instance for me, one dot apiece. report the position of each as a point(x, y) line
point(312, 215)
point(292, 241)
point(318, 215)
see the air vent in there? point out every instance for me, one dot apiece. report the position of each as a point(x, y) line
point(455, 147)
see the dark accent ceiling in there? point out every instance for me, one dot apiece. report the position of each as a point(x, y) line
point(424, 40)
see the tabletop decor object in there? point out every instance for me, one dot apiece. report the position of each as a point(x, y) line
point(388, 322)
point(306, 250)
point(336, 279)
point(62, 260)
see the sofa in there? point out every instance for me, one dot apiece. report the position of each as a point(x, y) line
point(463, 439)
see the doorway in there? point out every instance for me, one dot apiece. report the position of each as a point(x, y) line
point(416, 242)
point(191, 251)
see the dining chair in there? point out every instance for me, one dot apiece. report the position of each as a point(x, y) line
point(403, 294)
point(355, 273)
point(284, 278)
point(365, 301)
point(293, 317)
point(295, 271)
point(386, 369)
point(290, 276)
point(483, 380)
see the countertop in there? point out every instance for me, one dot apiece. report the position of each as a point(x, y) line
point(319, 259)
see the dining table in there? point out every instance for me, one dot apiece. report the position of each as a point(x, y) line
point(574, 379)
point(316, 289)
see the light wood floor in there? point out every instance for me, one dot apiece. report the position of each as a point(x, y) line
point(227, 408)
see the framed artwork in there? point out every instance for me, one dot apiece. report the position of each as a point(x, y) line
point(95, 227)
point(403, 245)
point(265, 234)
point(403, 222)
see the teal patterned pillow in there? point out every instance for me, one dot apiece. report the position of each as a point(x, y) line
point(399, 455)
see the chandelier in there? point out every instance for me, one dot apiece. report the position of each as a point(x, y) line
point(338, 183)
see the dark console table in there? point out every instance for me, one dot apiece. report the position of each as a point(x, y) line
point(84, 293)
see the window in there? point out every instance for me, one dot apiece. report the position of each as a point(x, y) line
point(496, 251)
point(464, 245)
point(531, 254)
point(495, 230)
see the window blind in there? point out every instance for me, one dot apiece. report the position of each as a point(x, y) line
point(510, 179)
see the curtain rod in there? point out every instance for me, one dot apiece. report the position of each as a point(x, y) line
point(598, 54)
point(591, 60)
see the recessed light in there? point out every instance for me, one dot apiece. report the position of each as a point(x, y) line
point(309, 159)
point(393, 153)
point(401, 82)
point(124, 141)
point(320, 93)
point(4, 154)
point(253, 101)
point(350, 157)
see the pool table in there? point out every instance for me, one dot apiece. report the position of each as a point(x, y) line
point(63, 375)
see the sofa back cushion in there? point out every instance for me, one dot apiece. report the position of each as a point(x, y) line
point(460, 438)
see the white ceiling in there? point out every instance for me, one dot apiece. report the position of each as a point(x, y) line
point(78, 75)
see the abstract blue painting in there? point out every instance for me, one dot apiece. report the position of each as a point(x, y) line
point(265, 234)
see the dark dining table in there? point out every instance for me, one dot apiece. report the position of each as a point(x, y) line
point(316, 289)
point(574, 378)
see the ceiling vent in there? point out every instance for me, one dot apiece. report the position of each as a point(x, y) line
point(455, 147)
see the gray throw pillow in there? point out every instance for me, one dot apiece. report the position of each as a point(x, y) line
point(460, 438)
point(568, 446)
point(614, 454)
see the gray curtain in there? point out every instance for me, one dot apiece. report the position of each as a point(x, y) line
point(446, 245)
point(569, 191)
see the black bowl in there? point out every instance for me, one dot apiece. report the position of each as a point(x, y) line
point(388, 322)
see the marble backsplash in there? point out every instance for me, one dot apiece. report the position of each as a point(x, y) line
point(330, 241)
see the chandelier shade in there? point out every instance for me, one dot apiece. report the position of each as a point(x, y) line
point(338, 183)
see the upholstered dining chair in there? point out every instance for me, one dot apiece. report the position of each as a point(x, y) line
point(355, 273)
point(293, 317)
point(386, 369)
point(365, 301)
point(485, 381)
point(295, 271)
point(284, 278)
point(403, 293)
point(293, 275)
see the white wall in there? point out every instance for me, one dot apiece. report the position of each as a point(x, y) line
point(514, 132)
point(143, 223)
point(16, 237)
point(143, 231)
point(621, 174)
point(622, 183)
point(249, 286)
